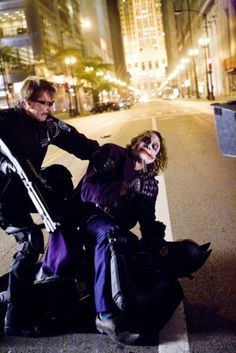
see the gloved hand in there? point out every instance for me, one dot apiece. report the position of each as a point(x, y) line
point(145, 185)
point(158, 228)
point(7, 167)
point(153, 237)
point(101, 163)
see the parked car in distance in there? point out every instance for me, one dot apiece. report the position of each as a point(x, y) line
point(110, 106)
point(125, 105)
point(105, 107)
point(169, 96)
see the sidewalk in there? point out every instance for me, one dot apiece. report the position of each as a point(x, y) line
point(218, 99)
point(66, 115)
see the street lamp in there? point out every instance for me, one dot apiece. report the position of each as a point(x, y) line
point(86, 23)
point(204, 42)
point(185, 61)
point(193, 56)
point(70, 61)
point(193, 52)
point(210, 94)
point(4, 73)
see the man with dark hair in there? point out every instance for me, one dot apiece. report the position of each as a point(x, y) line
point(117, 199)
point(27, 130)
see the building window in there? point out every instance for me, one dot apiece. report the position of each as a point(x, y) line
point(50, 31)
point(12, 23)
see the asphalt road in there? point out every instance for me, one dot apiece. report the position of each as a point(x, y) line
point(201, 193)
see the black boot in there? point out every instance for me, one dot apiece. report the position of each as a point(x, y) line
point(113, 328)
point(17, 323)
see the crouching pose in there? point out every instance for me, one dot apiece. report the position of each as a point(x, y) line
point(136, 283)
point(27, 130)
point(118, 193)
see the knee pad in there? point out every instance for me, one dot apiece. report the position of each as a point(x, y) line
point(32, 235)
point(21, 234)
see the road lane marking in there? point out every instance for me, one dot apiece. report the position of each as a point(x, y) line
point(173, 338)
point(53, 157)
point(158, 115)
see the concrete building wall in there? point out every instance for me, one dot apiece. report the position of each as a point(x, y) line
point(143, 36)
point(35, 31)
point(215, 19)
point(97, 38)
point(117, 41)
point(170, 34)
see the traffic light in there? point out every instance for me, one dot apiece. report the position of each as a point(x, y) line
point(209, 64)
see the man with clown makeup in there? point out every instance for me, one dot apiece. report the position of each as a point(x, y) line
point(118, 191)
point(118, 196)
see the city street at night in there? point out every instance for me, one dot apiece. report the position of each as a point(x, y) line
point(145, 75)
point(197, 200)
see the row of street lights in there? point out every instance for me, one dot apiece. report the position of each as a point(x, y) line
point(70, 61)
point(204, 43)
point(72, 91)
point(183, 67)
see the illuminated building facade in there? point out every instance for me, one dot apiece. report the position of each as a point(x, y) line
point(117, 41)
point(144, 45)
point(35, 31)
point(102, 37)
point(202, 49)
point(96, 37)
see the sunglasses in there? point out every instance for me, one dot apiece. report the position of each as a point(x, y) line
point(49, 104)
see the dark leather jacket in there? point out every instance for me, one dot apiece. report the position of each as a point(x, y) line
point(28, 138)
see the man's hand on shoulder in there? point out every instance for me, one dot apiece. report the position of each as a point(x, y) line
point(102, 163)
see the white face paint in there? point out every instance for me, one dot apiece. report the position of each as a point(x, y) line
point(147, 147)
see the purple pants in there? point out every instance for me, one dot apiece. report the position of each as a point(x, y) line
point(57, 255)
point(97, 229)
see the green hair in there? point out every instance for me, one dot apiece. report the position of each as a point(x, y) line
point(160, 162)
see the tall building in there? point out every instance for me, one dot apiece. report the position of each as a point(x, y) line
point(143, 36)
point(205, 32)
point(170, 34)
point(96, 29)
point(117, 41)
point(102, 37)
point(35, 31)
